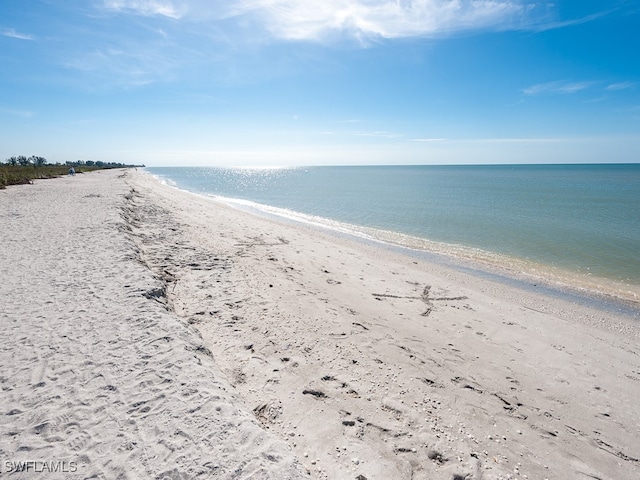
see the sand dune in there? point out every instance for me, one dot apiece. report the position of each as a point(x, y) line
point(151, 333)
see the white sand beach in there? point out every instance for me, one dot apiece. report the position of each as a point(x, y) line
point(98, 379)
point(152, 333)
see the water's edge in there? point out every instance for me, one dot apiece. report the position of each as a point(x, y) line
point(607, 303)
point(601, 293)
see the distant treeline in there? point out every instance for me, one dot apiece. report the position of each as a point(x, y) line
point(21, 169)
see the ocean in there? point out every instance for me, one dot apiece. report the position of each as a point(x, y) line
point(577, 225)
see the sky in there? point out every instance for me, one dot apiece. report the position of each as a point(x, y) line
point(320, 82)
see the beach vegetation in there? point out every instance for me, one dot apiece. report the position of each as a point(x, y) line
point(20, 170)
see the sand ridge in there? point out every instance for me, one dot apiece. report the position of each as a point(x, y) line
point(377, 365)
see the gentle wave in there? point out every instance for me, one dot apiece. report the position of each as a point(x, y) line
point(573, 226)
point(503, 264)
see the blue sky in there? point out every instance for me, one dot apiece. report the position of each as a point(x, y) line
point(280, 82)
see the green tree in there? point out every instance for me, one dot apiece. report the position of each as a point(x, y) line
point(37, 161)
point(13, 161)
point(22, 160)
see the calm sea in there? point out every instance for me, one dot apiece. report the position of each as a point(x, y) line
point(577, 224)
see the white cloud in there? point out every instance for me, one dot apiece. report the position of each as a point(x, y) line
point(165, 8)
point(179, 33)
point(364, 19)
point(10, 32)
point(552, 25)
point(566, 87)
point(361, 19)
point(620, 86)
point(561, 87)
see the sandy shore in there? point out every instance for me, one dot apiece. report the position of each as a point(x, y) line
point(98, 379)
point(151, 333)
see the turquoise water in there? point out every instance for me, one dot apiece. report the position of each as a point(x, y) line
point(577, 219)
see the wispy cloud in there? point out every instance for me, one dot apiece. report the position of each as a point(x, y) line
point(364, 20)
point(567, 87)
point(555, 24)
point(620, 86)
point(10, 32)
point(556, 87)
point(125, 67)
point(370, 19)
point(179, 33)
point(164, 8)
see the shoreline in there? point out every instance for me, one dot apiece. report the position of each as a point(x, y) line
point(376, 364)
point(162, 333)
point(601, 293)
point(528, 282)
point(573, 266)
point(586, 295)
point(512, 271)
